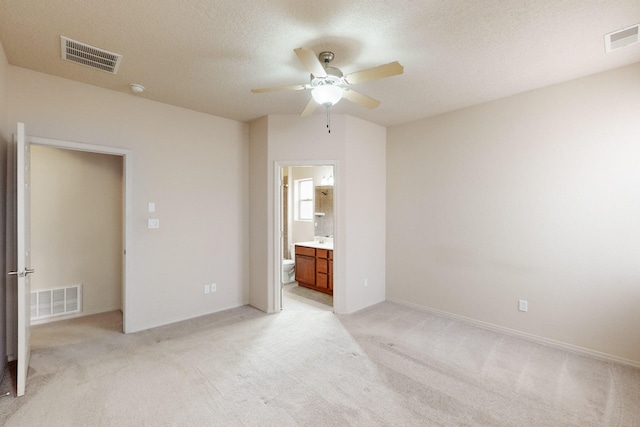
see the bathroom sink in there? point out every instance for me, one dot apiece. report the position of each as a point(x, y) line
point(317, 245)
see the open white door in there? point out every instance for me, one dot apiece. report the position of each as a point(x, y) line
point(23, 256)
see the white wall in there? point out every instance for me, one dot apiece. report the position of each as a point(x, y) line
point(76, 224)
point(5, 134)
point(365, 206)
point(261, 293)
point(533, 197)
point(291, 138)
point(193, 166)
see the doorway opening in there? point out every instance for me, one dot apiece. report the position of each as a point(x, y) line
point(76, 222)
point(306, 224)
point(18, 345)
point(114, 164)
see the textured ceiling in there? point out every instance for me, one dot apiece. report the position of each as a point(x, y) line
point(206, 55)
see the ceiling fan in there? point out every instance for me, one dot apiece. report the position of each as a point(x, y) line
point(328, 85)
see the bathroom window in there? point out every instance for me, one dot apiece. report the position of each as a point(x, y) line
point(304, 199)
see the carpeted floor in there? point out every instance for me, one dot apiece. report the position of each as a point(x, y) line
point(388, 365)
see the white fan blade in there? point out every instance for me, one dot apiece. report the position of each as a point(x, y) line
point(310, 61)
point(360, 99)
point(386, 70)
point(310, 108)
point(277, 88)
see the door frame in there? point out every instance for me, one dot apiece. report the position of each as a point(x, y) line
point(127, 155)
point(277, 226)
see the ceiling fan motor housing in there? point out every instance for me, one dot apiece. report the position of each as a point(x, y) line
point(326, 57)
point(334, 77)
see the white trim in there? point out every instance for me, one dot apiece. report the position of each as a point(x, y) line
point(529, 337)
point(128, 205)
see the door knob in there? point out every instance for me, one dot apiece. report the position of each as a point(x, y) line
point(22, 273)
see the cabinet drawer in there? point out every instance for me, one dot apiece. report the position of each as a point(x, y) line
point(322, 265)
point(303, 250)
point(322, 253)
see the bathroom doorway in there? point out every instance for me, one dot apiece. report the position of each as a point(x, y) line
point(307, 219)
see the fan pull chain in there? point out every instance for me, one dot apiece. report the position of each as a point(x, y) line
point(328, 120)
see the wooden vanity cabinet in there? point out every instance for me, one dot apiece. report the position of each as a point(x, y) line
point(314, 268)
point(322, 269)
point(305, 265)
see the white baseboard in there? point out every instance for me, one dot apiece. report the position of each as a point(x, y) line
point(258, 306)
point(182, 319)
point(530, 337)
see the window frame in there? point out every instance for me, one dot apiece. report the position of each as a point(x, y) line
point(301, 203)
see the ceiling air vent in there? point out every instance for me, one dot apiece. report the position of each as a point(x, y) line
point(621, 38)
point(90, 56)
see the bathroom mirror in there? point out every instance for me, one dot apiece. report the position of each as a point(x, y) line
point(323, 214)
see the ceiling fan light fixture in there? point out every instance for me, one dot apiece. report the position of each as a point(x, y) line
point(328, 85)
point(327, 94)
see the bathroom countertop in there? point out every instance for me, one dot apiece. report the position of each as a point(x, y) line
point(317, 245)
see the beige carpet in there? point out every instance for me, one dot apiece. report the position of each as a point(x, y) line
point(388, 365)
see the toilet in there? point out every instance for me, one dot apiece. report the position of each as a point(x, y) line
point(288, 268)
point(288, 271)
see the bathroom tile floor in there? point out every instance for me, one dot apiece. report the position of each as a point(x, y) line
point(298, 298)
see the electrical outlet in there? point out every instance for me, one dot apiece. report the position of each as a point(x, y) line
point(523, 305)
point(213, 287)
point(207, 289)
point(153, 223)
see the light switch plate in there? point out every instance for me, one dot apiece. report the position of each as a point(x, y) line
point(523, 305)
point(152, 207)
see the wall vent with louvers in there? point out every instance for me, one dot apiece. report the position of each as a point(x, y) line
point(621, 38)
point(90, 56)
point(56, 302)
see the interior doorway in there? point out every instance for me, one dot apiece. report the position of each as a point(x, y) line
point(18, 316)
point(306, 216)
point(77, 231)
point(124, 157)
